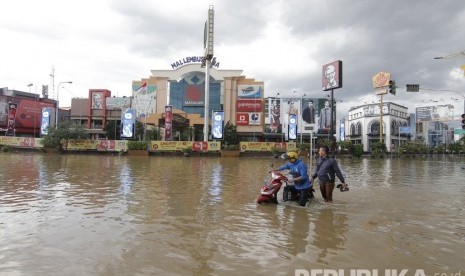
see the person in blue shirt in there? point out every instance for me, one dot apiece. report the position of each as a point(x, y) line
point(298, 168)
point(326, 171)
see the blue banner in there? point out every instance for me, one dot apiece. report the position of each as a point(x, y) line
point(404, 130)
point(127, 123)
point(292, 127)
point(47, 115)
point(217, 124)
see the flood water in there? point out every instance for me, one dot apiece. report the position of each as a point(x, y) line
point(151, 215)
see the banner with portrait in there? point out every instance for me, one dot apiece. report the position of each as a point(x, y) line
point(168, 123)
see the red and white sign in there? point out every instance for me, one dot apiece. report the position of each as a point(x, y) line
point(242, 119)
point(249, 105)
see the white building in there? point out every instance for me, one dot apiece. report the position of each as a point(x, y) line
point(363, 125)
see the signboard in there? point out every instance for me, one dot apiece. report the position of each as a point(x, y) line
point(275, 114)
point(404, 130)
point(255, 119)
point(374, 110)
point(10, 128)
point(292, 127)
point(381, 79)
point(250, 91)
point(436, 113)
point(46, 120)
point(413, 87)
point(168, 123)
point(217, 124)
point(194, 95)
point(127, 123)
point(342, 130)
point(249, 105)
point(332, 75)
point(242, 119)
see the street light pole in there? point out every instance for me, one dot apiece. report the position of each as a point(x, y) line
point(301, 116)
point(58, 100)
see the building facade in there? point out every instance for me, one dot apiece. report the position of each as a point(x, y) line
point(363, 125)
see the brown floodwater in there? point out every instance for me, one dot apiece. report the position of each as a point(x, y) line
point(152, 215)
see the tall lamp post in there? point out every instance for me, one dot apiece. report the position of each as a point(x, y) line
point(301, 115)
point(58, 100)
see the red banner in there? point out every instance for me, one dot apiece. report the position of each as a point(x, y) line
point(249, 105)
point(242, 119)
point(10, 129)
point(168, 123)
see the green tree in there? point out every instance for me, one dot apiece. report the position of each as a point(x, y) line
point(357, 150)
point(64, 133)
point(378, 149)
point(139, 131)
point(346, 146)
point(230, 135)
point(112, 130)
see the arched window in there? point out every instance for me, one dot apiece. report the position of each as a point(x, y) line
point(352, 130)
point(374, 128)
point(394, 127)
point(359, 129)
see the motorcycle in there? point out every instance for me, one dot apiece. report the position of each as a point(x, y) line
point(269, 191)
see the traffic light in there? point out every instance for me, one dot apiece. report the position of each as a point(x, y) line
point(463, 121)
point(392, 87)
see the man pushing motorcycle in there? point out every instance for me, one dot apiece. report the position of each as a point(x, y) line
point(301, 180)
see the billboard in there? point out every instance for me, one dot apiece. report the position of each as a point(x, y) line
point(332, 75)
point(437, 113)
point(97, 100)
point(275, 114)
point(217, 124)
point(250, 91)
point(242, 119)
point(127, 123)
point(28, 113)
point(144, 98)
point(10, 128)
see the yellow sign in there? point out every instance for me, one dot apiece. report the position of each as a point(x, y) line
point(81, 145)
point(266, 146)
point(21, 142)
point(180, 145)
point(381, 79)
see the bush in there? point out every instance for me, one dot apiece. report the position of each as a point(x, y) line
point(187, 149)
point(137, 145)
point(357, 150)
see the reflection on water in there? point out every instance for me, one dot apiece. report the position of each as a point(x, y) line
point(123, 215)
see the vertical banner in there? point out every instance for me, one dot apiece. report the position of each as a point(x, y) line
point(217, 121)
point(275, 115)
point(127, 123)
point(45, 120)
point(10, 129)
point(292, 127)
point(342, 130)
point(168, 123)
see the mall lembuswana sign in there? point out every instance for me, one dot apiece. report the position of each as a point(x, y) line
point(187, 60)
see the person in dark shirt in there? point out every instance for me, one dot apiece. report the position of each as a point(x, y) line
point(326, 171)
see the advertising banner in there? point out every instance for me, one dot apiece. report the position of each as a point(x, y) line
point(266, 146)
point(46, 120)
point(342, 130)
point(97, 100)
point(250, 91)
point(217, 124)
point(78, 145)
point(21, 142)
point(332, 75)
point(255, 119)
point(275, 114)
point(168, 123)
point(249, 105)
point(436, 113)
point(158, 146)
point(127, 123)
point(10, 129)
point(242, 119)
point(292, 127)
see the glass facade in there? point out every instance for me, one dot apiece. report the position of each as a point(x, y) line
point(188, 95)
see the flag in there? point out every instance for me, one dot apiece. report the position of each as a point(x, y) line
point(143, 88)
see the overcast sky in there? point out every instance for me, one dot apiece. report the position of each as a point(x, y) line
point(109, 43)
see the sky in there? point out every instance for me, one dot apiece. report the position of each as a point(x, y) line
point(109, 43)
